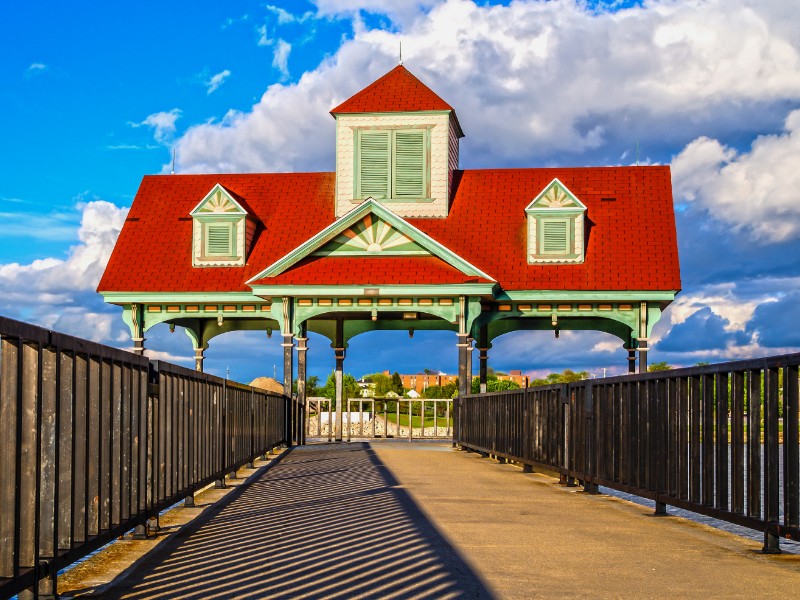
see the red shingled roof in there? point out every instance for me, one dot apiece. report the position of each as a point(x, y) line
point(631, 240)
point(397, 91)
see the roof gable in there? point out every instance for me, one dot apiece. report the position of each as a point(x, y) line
point(371, 235)
point(555, 196)
point(397, 91)
point(370, 229)
point(218, 202)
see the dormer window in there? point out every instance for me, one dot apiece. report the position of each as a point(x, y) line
point(220, 230)
point(392, 164)
point(555, 226)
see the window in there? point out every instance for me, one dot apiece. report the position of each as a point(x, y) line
point(555, 236)
point(221, 231)
point(392, 164)
point(220, 239)
point(555, 226)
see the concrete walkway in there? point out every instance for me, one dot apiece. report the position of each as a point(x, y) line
point(421, 520)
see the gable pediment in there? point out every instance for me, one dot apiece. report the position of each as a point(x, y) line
point(218, 202)
point(555, 196)
point(372, 235)
point(370, 230)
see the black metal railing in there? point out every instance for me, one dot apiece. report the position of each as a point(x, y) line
point(94, 441)
point(719, 440)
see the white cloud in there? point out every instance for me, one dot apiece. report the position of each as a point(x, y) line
point(162, 123)
point(280, 57)
point(215, 81)
point(35, 69)
point(60, 293)
point(403, 11)
point(755, 191)
point(532, 81)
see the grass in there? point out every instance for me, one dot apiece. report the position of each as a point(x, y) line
point(416, 420)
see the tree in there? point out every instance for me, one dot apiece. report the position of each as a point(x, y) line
point(493, 384)
point(349, 386)
point(312, 385)
point(441, 391)
point(567, 376)
point(397, 384)
point(382, 384)
point(659, 366)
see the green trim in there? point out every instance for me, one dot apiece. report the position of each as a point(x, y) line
point(474, 289)
point(396, 200)
point(352, 217)
point(179, 297)
point(383, 114)
point(575, 295)
point(363, 253)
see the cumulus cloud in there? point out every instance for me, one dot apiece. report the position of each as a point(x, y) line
point(162, 124)
point(755, 191)
point(704, 330)
point(60, 293)
point(213, 83)
point(534, 82)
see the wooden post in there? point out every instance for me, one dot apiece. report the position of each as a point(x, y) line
point(198, 359)
point(463, 345)
point(137, 331)
point(631, 359)
point(641, 341)
point(302, 348)
point(483, 357)
point(339, 352)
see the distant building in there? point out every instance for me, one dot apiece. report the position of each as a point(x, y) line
point(421, 381)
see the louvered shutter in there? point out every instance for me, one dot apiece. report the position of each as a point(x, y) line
point(555, 237)
point(373, 174)
point(409, 164)
point(219, 239)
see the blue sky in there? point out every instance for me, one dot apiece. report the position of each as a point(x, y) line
point(96, 95)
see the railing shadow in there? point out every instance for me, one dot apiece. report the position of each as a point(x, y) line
point(329, 521)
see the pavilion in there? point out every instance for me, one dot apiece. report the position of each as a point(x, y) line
point(398, 237)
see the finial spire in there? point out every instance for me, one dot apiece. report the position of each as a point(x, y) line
point(401, 53)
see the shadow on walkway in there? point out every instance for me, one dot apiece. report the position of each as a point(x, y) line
point(328, 521)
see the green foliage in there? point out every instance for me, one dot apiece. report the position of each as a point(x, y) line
point(659, 366)
point(567, 376)
point(349, 387)
point(449, 390)
point(312, 385)
point(382, 384)
point(397, 384)
point(493, 384)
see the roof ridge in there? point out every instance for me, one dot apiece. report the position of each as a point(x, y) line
point(398, 90)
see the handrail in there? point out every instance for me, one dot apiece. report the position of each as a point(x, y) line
point(94, 441)
point(719, 440)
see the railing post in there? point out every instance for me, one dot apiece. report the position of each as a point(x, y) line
point(771, 461)
point(526, 430)
point(589, 440)
point(566, 433)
